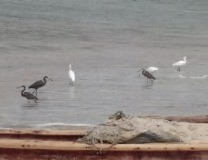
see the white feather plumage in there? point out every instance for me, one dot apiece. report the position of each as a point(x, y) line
point(180, 63)
point(71, 75)
point(152, 69)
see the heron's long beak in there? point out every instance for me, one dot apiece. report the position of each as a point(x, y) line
point(140, 71)
point(19, 87)
point(50, 79)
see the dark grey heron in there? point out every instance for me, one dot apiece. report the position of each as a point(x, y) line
point(147, 74)
point(28, 95)
point(39, 84)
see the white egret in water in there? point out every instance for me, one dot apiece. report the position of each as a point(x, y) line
point(71, 75)
point(179, 64)
point(152, 69)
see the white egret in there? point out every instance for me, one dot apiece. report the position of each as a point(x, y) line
point(71, 75)
point(152, 69)
point(180, 63)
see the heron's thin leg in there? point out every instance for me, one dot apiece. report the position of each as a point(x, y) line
point(36, 92)
point(33, 91)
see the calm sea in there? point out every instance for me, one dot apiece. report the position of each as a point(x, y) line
point(107, 42)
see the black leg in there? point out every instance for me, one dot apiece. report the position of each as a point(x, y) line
point(71, 83)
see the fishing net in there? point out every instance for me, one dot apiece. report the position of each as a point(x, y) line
point(121, 128)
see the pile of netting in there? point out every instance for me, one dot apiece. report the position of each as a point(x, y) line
point(122, 128)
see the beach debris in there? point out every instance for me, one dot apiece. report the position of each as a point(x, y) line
point(122, 128)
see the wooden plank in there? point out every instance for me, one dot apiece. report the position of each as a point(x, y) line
point(74, 146)
point(45, 132)
point(191, 119)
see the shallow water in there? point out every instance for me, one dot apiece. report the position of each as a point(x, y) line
point(106, 42)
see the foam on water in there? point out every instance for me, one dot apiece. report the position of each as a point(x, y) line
point(62, 124)
point(194, 77)
point(199, 77)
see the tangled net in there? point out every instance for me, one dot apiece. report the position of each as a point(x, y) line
point(110, 132)
point(121, 128)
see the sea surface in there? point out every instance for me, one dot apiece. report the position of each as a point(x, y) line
point(107, 42)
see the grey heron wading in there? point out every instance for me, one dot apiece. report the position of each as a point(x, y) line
point(39, 84)
point(147, 74)
point(28, 95)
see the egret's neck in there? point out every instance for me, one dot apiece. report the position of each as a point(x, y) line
point(184, 59)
